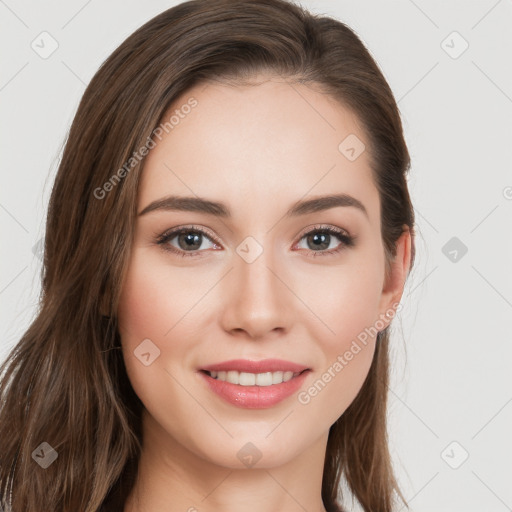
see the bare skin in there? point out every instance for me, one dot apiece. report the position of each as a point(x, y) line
point(258, 149)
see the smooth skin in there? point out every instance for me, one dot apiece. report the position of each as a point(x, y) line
point(258, 149)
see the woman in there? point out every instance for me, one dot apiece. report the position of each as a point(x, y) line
point(227, 242)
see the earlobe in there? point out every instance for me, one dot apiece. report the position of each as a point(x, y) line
point(399, 269)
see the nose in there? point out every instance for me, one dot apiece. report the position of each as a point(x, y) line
point(256, 300)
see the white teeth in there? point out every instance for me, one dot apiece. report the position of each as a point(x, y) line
point(277, 377)
point(287, 376)
point(233, 377)
point(253, 379)
point(245, 379)
point(264, 379)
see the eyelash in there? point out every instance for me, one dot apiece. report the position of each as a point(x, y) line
point(345, 239)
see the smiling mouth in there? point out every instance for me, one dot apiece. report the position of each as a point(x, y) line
point(253, 379)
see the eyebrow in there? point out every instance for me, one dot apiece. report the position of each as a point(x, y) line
point(219, 209)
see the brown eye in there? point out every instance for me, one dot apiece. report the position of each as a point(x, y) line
point(188, 241)
point(321, 238)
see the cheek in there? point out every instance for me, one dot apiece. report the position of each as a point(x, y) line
point(155, 300)
point(343, 301)
point(347, 357)
point(150, 316)
point(345, 306)
point(156, 332)
point(331, 391)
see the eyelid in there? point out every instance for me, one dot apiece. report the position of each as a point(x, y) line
point(185, 228)
point(320, 227)
point(346, 239)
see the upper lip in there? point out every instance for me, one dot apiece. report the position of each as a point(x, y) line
point(263, 366)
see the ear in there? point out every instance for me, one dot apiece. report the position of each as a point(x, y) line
point(396, 275)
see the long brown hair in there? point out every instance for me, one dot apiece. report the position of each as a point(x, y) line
point(65, 382)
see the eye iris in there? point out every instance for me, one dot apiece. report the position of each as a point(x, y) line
point(320, 237)
point(190, 241)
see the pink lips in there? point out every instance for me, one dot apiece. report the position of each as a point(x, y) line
point(255, 397)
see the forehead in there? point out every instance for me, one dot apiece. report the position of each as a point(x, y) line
point(253, 146)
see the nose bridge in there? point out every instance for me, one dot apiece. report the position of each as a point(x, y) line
point(256, 296)
point(252, 270)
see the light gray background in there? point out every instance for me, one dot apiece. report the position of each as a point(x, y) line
point(452, 356)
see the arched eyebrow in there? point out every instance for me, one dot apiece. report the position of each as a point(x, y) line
point(219, 209)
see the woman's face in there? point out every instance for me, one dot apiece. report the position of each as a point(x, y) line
point(263, 280)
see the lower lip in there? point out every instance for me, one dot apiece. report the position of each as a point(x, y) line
point(254, 397)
